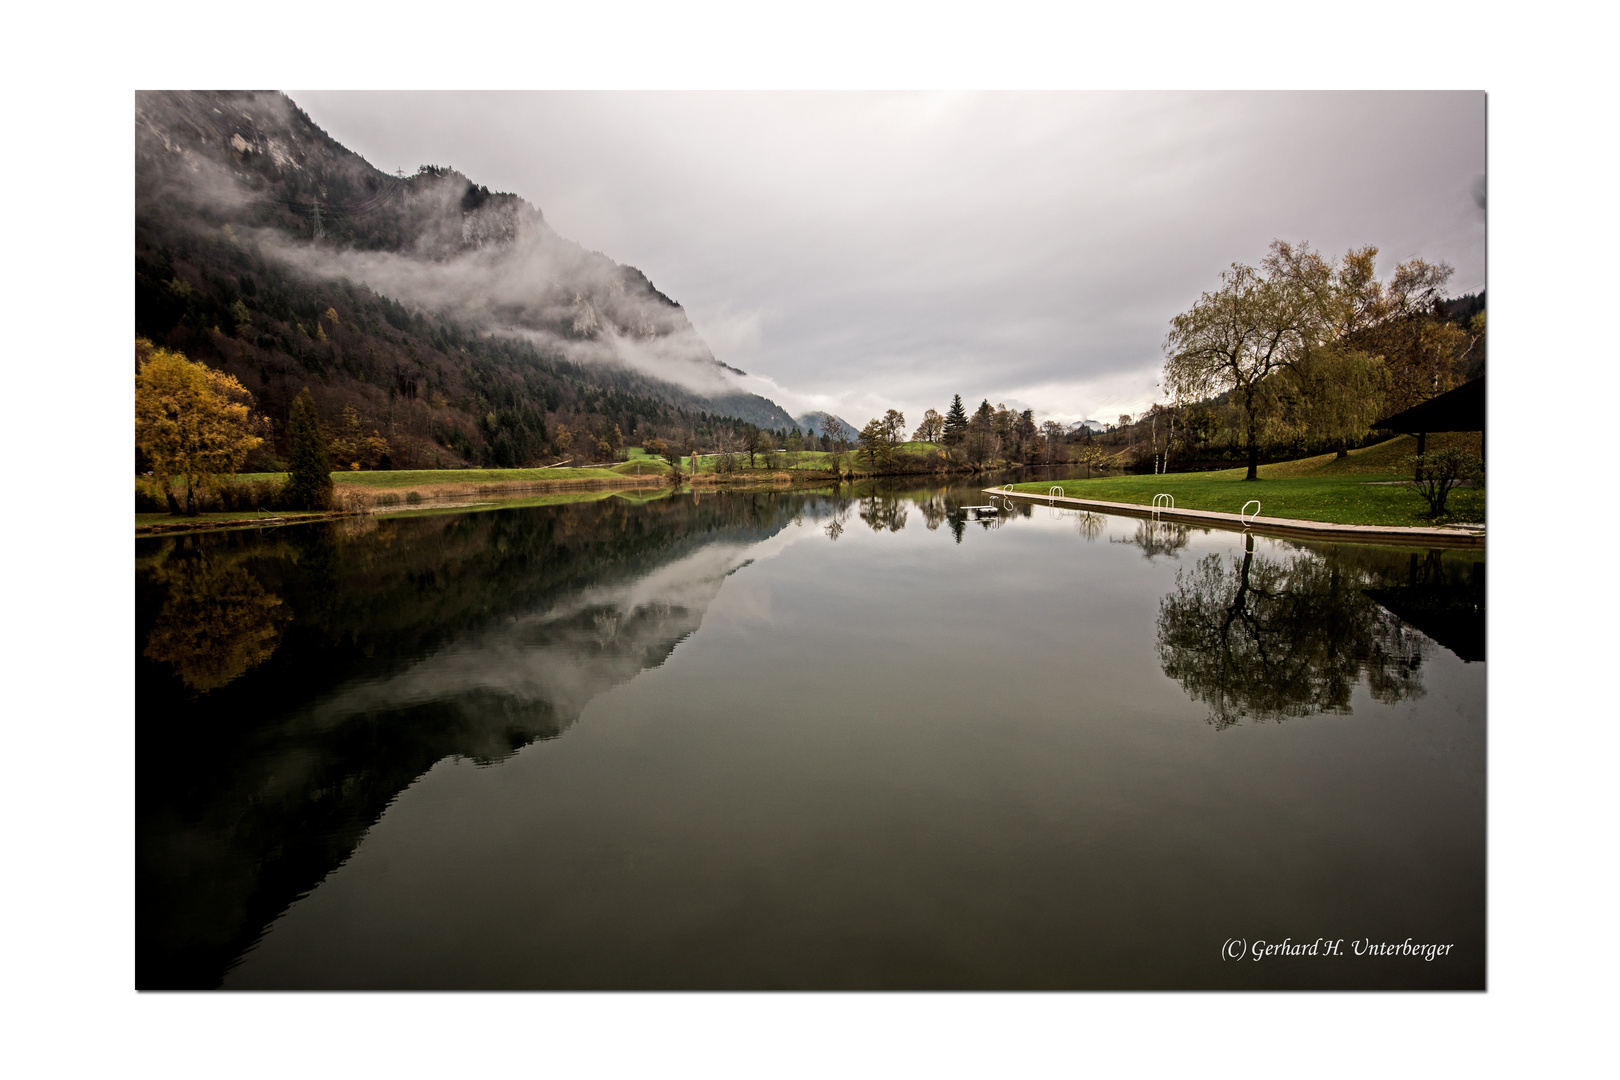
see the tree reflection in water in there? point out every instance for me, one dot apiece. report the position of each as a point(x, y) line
point(838, 513)
point(1159, 538)
point(1277, 638)
point(1090, 525)
point(884, 512)
point(933, 508)
point(217, 620)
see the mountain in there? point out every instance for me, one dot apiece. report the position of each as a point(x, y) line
point(453, 318)
point(817, 422)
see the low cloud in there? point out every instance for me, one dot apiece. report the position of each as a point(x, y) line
point(536, 286)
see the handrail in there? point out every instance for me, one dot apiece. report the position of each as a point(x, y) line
point(1243, 514)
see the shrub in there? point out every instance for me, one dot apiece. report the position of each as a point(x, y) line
point(149, 496)
point(353, 500)
point(238, 495)
point(1435, 473)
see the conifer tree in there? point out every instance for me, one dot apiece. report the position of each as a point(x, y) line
point(309, 470)
point(956, 422)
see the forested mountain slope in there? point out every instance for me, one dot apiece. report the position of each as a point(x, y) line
point(452, 319)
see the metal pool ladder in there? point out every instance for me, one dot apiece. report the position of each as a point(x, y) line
point(1243, 514)
point(1162, 501)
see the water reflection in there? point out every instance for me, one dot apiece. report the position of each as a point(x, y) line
point(932, 506)
point(835, 512)
point(1273, 638)
point(1090, 525)
point(1443, 598)
point(290, 687)
point(217, 621)
point(1157, 538)
point(884, 512)
point(415, 640)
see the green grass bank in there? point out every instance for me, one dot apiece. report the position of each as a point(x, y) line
point(1356, 490)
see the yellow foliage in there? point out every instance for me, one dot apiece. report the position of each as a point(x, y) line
point(351, 443)
point(217, 622)
point(190, 420)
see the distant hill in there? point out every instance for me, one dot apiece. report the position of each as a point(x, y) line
point(1465, 307)
point(817, 422)
point(452, 317)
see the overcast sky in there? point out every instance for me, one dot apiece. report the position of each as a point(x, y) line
point(858, 252)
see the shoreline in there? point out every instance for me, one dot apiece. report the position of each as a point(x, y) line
point(1428, 536)
point(450, 496)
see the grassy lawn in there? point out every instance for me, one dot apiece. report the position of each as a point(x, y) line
point(641, 465)
point(1348, 491)
point(506, 503)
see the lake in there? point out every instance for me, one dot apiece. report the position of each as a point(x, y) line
point(805, 740)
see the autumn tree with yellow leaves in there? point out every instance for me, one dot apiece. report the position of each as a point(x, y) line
point(351, 447)
point(191, 421)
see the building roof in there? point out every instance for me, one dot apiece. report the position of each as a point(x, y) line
point(1462, 409)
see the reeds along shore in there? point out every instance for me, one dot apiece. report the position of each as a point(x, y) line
point(361, 493)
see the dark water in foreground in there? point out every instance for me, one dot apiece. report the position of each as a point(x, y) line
point(793, 740)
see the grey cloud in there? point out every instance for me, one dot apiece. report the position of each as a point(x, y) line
point(893, 249)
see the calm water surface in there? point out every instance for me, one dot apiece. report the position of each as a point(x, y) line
point(802, 740)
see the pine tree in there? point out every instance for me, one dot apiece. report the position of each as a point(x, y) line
point(981, 435)
point(956, 422)
point(309, 470)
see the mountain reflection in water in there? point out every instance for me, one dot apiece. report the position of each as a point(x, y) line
point(467, 635)
point(292, 684)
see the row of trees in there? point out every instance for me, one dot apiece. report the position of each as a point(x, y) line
point(955, 440)
point(1310, 351)
point(991, 434)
